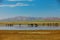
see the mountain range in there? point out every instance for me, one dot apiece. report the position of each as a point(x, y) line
point(23, 18)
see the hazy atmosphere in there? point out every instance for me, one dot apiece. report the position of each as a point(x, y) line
point(29, 19)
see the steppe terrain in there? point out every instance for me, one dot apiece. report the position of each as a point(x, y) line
point(29, 34)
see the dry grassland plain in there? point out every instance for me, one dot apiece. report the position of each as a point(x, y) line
point(29, 34)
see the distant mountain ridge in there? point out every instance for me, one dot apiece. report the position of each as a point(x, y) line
point(23, 18)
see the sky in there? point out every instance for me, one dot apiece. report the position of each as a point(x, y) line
point(31, 8)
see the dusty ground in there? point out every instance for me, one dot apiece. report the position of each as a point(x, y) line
point(30, 35)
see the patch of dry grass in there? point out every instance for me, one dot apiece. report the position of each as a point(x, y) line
point(30, 35)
